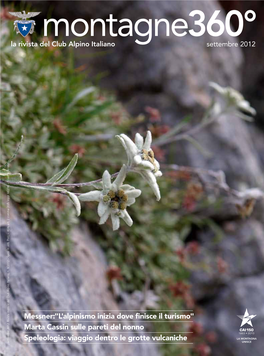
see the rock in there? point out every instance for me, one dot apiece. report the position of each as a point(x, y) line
point(40, 280)
point(221, 316)
point(170, 73)
point(241, 247)
point(223, 296)
point(253, 70)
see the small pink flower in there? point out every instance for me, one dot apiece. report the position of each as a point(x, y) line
point(211, 337)
point(179, 289)
point(222, 265)
point(189, 203)
point(77, 149)
point(59, 200)
point(114, 272)
point(196, 329)
point(203, 350)
point(154, 114)
point(181, 253)
point(193, 248)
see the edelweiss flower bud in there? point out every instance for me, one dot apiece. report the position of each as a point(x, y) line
point(234, 99)
point(141, 159)
point(113, 199)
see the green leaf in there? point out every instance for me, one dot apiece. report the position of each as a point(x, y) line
point(198, 146)
point(185, 231)
point(64, 174)
point(73, 198)
point(94, 112)
point(12, 177)
point(14, 155)
point(174, 130)
point(80, 95)
point(35, 187)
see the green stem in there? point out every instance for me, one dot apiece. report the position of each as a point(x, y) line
point(23, 184)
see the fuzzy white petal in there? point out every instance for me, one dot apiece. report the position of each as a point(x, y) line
point(133, 193)
point(151, 179)
point(148, 141)
point(101, 209)
point(137, 159)
point(157, 164)
point(156, 191)
point(91, 196)
point(147, 165)
point(139, 141)
point(75, 201)
point(244, 105)
point(158, 174)
point(121, 177)
point(130, 201)
point(121, 140)
point(127, 219)
point(106, 180)
point(149, 176)
point(130, 144)
point(217, 87)
point(251, 193)
point(127, 187)
point(104, 217)
point(128, 153)
point(115, 222)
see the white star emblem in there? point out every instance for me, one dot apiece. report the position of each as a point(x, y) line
point(246, 318)
point(24, 28)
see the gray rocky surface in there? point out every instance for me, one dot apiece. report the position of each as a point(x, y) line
point(41, 280)
point(222, 310)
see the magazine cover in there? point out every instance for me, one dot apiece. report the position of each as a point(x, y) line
point(131, 171)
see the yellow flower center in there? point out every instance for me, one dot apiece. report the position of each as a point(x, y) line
point(149, 156)
point(116, 200)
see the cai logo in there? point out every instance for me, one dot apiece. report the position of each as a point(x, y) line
point(246, 319)
point(24, 26)
point(246, 330)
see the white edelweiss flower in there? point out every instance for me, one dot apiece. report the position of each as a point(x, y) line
point(251, 193)
point(113, 199)
point(141, 159)
point(234, 99)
